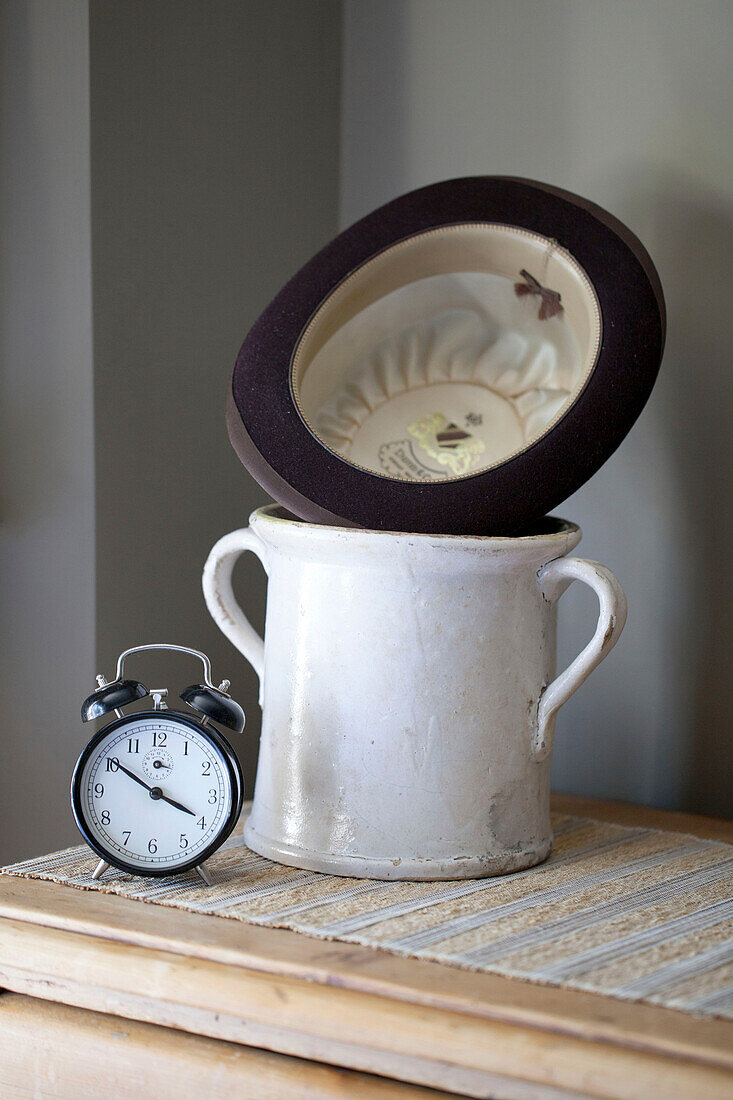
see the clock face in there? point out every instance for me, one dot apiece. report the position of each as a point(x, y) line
point(155, 793)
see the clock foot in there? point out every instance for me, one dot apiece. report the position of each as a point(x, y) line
point(203, 874)
point(100, 869)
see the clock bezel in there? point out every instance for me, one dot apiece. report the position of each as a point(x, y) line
point(217, 739)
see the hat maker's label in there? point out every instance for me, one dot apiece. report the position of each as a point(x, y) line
point(454, 450)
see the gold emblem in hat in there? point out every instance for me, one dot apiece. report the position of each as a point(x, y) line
point(444, 441)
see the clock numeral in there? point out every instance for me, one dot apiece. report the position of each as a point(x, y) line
point(159, 738)
point(185, 748)
point(98, 790)
point(112, 763)
point(105, 817)
point(152, 846)
point(206, 767)
point(201, 822)
point(127, 834)
point(213, 796)
point(130, 743)
point(183, 842)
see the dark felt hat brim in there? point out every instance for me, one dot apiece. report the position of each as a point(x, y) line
point(274, 443)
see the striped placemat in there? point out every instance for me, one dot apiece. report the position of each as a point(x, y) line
point(629, 912)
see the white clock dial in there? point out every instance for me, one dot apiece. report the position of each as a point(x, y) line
point(155, 792)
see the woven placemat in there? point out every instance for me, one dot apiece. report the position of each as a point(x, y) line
point(634, 913)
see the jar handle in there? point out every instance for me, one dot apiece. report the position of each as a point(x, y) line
point(553, 579)
point(219, 595)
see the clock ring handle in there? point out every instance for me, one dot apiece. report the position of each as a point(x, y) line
point(175, 649)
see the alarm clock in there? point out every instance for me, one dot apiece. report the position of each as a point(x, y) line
point(157, 791)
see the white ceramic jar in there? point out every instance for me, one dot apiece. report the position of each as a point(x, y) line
point(408, 692)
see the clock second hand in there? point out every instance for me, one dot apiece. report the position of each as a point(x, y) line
point(158, 793)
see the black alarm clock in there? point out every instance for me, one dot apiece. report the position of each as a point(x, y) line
point(156, 792)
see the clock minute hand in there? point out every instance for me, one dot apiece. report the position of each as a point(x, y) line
point(133, 776)
point(157, 790)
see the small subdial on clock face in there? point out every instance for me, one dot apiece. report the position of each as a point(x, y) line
point(158, 764)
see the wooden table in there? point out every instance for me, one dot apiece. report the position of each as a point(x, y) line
point(108, 997)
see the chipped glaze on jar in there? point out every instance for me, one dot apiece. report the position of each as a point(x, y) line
point(408, 691)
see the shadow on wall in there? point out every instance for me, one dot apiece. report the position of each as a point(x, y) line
point(653, 723)
point(693, 228)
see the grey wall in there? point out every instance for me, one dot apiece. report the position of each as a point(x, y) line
point(214, 176)
point(629, 103)
point(46, 424)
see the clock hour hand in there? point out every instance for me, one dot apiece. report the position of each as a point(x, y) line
point(172, 802)
point(155, 792)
